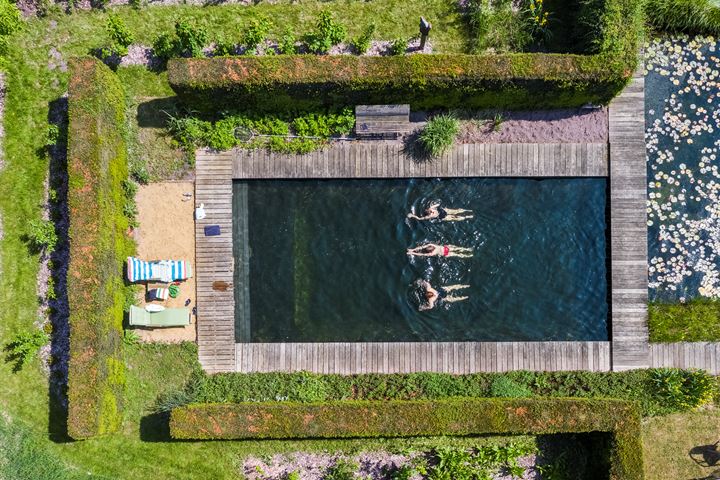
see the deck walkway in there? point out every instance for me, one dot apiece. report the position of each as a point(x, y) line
point(628, 228)
point(388, 160)
point(447, 357)
point(214, 263)
point(703, 355)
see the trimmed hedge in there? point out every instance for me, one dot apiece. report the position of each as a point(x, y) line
point(512, 81)
point(306, 82)
point(97, 168)
point(463, 416)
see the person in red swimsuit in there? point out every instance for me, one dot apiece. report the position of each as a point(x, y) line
point(434, 250)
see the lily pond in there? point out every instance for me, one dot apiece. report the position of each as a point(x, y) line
point(682, 119)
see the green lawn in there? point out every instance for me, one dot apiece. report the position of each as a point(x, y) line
point(668, 442)
point(695, 321)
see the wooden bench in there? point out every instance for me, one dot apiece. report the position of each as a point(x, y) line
point(381, 122)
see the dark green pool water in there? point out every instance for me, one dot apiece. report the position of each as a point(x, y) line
point(328, 260)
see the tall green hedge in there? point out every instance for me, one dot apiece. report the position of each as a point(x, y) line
point(460, 416)
point(97, 168)
point(513, 81)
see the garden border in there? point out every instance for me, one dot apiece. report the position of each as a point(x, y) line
point(460, 416)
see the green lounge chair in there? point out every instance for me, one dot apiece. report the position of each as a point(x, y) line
point(170, 317)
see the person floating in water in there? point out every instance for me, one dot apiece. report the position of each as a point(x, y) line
point(434, 297)
point(433, 250)
point(435, 211)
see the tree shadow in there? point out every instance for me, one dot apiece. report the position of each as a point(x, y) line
point(58, 305)
point(156, 112)
point(706, 455)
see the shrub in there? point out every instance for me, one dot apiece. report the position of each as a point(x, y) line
point(684, 389)
point(10, 18)
point(120, 35)
point(24, 347)
point(480, 463)
point(191, 38)
point(687, 16)
point(53, 135)
point(256, 34)
point(636, 385)
point(495, 26)
point(97, 169)
point(136, 4)
point(131, 337)
point(165, 46)
point(224, 47)
point(342, 470)
point(398, 46)
point(42, 236)
point(505, 387)
point(226, 133)
point(350, 419)
point(10, 22)
point(286, 45)
point(327, 33)
point(361, 44)
point(439, 134)
point(324, 125)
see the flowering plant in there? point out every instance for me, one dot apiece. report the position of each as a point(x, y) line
point(538, 16)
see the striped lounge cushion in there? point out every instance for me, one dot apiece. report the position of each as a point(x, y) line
point(164, 270)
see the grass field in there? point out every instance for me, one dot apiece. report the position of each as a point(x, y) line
point(698, 320)
point(670, 440)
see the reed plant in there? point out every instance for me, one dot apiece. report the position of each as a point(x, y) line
point(685, 16)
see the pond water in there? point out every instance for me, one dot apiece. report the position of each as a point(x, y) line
point(682, 94)
point(328, 260)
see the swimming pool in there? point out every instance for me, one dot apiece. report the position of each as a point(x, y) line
point(328, 262)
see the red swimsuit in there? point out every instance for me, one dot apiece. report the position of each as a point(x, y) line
point(446, 250)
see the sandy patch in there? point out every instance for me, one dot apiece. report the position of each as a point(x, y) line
point(167, 231)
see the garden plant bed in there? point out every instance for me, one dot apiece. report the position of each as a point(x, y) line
point(33, 419)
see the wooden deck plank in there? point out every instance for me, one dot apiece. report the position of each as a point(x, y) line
point(628, 227)
point(403, 357)
point(367, 159)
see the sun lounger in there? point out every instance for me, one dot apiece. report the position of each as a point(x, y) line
point(163, 271)
point(169, 317)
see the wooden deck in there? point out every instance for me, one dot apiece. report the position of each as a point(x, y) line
point(388, 160)
point(702, 355)
point(447, 357)
point(214, 263)
point(628, 228)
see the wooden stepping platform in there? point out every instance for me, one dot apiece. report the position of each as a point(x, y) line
point(382, 122)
